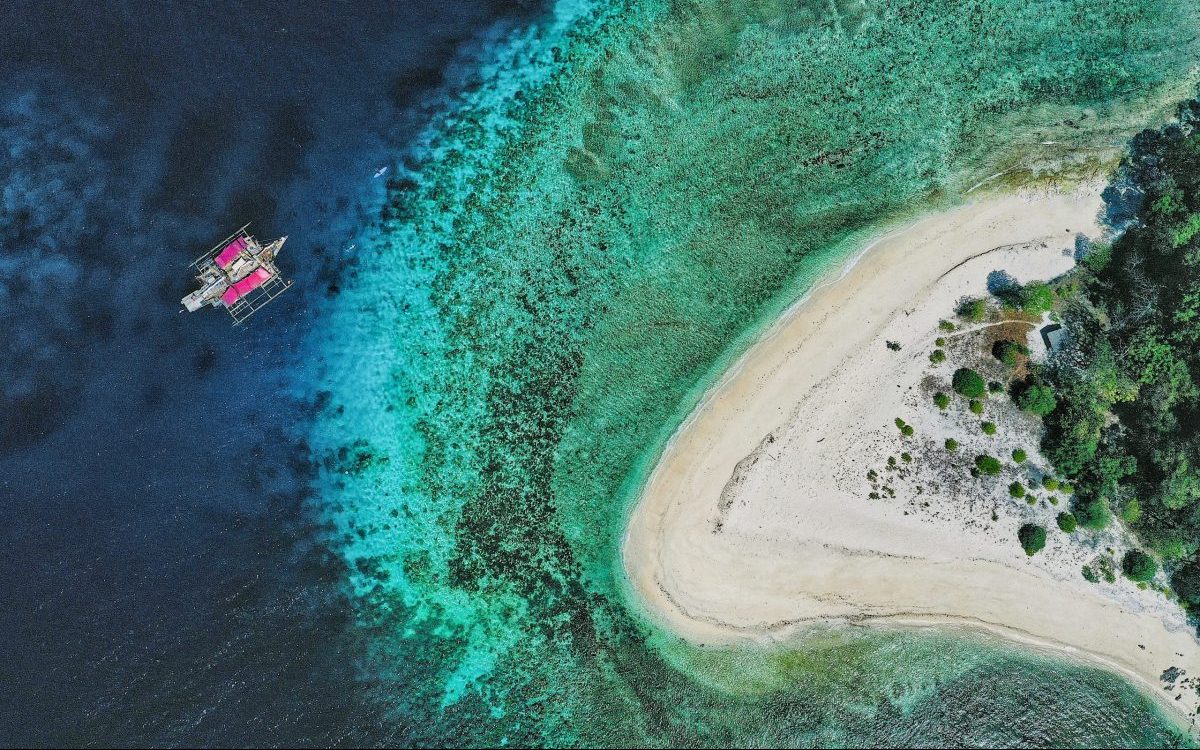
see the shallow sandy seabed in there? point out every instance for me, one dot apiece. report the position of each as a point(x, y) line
point(757, 522)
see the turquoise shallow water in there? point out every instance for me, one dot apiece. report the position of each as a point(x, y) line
point(618, 201)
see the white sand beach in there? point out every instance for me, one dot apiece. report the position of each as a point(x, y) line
point(757, 521)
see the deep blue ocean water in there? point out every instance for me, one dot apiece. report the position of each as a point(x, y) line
point(163, 582)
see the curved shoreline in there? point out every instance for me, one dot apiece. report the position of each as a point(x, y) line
point(724, 546)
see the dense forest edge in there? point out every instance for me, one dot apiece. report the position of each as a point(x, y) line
point(1121, 396)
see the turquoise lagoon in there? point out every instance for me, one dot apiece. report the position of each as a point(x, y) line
point(617, 201)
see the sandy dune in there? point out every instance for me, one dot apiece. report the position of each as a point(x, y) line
point(756, 520)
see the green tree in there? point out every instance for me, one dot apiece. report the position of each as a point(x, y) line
point(1016, 489)
point(1036, 298)
point(1066, 522)
point(968, 383)
point(1032, 538)
point(1018, 455)
point(973, 310)
point(1131, 512)
point(1009, 352)
point(989, 465)
point(1138, 566)
point(1038, 399)
point(1092, 514)
point(1186, 581)
point(941, 399)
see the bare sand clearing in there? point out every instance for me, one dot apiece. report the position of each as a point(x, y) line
point(757, 519)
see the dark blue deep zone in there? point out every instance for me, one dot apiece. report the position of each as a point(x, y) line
point(164, 579)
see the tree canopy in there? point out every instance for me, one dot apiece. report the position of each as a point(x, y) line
point(968, 383)
point(1032, 538)
point(1121, 402)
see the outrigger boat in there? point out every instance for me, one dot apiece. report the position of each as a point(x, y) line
point(239, 274)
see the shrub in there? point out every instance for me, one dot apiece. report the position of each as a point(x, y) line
point(906, 457)
point(907, 430)
point(1009, 352)
point(1018, 455)
point(1107, 571)
point(937, 357)
point(976, 406)
point(1186, 581)
point(941, 399)
point(1032, 538)
point(1050, 483)
point(1098, 257)
point(1016, 489)
point(1092, 514)
point(939, 341)
point(973, 310)
point(1131, 512)
point(893, 345)
point(1090, 575)
point(900, 423)
point(988, 465)
point(1138, 566)
point(989, 428)
point(1038, 399)
point(1067, 522)
point(1036, 298)
point(1066, 489)
point(995, 386)
point(951, 444)
point(1172, 549)
point(968, 383)
point(946, 325)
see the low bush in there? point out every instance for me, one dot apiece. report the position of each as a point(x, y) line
point(989, 465)
point(1032, 538)
point(1038, 399)
point(968, 383)
point(1138, 566)
point(972, 310)
point(1009, 352)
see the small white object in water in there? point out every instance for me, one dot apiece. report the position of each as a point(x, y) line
point(381, 171)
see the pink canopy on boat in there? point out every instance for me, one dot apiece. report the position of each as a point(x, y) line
point(245, 286)
point(226, 256)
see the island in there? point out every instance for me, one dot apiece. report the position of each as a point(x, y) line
point(852, 468)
